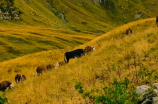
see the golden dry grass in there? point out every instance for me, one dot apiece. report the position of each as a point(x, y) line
point(117, 55)
point(19, 41)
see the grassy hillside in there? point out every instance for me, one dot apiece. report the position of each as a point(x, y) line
point(18, 41)
point(34, 14)
point(117, 55)
point(86, 16)
point(49, 28)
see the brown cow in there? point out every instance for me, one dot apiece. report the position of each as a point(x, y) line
point(60, 63)
point(157, 21)
point(128, 31)
point(5, 84)
point(41, 69)
point(19, 78)
point(89, 48)
point(50, 67)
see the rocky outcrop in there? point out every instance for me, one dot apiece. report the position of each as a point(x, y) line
point(98, 1)
point(147, 94)
point(8, 11)
point(58, 13)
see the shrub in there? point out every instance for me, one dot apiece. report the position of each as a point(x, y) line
point(119, 93)
point(3, 98)
point(11, 1)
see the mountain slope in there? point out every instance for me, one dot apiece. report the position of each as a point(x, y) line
point(85, 16)
point(18, 41)
point(117, 55)
point(88, 16)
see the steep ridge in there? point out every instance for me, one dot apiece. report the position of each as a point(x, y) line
point(93, 17)
point(114, 57)
point(88, 16)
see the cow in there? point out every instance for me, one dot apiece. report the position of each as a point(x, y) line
point(50, 67)
point(6, 84)
point(19, 78)
point(89, 49)
point(23, 77)
point(41, 69)
point(72, 54)
point(157, 21)
point(60, 63)
point(128, 31)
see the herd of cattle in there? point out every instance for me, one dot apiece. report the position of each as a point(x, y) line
point(39, 70)
point(67, 56)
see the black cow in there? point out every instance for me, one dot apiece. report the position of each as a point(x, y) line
point(5, 84)
point(157, 21)
point(73, 54)
point(19, 78)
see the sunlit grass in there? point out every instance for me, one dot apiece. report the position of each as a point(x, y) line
point(19, 41)
point(114, 57)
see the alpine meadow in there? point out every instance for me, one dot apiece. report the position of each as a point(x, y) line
point(35, 33)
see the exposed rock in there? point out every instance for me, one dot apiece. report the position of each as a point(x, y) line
point(142, 89)
point(155, 85)
point(156, 92)
point(98, 1)
point(147, 95)
point(147, 101)
point(155, 100)
point(144, 94)
point(8, 11)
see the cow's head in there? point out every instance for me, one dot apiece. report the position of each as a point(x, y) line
point(60, 64)
point(93, 48)
point(11, 85)
point(23, 77)
point(57, 65)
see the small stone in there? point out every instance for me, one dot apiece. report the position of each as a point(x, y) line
point(155, 85)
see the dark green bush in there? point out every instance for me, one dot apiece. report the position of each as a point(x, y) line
point(119, 93)
point(11, 1)
point(3, 98)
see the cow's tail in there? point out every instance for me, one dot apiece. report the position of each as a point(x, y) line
point(65, 59)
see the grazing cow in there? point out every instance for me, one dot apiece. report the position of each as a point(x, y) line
point(50, 67)
point(128, 31)
point(73, 54)
point(23, 77)
point(5, 84)
point(89, 48)
point(19, 78)
point(41, 69)
point(157, 21)
point(60, 63)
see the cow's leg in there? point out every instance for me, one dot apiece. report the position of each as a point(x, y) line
point(16, 81)
point(67, 60)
